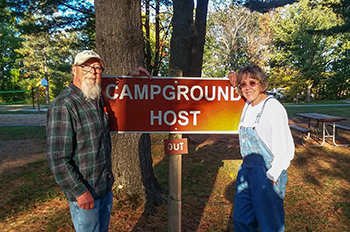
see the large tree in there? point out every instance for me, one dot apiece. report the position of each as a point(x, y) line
point(52, 15)
point(342, 8)
point(119, 41)
point(157, 19)
point(235, 37)
point(188, 37)
point(294, 47)
point(9, 42)
point(47, 28)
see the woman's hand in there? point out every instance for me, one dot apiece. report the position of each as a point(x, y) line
point(232, 77)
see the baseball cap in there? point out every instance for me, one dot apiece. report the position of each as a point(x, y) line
point(83, 56)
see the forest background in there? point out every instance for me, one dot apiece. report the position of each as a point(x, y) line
point(304, 47)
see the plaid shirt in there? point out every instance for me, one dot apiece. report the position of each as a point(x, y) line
point(79, 145)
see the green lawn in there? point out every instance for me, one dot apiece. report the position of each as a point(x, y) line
point(335, 110)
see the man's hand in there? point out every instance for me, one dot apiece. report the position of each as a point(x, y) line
point(86, 201)
point(232, 76)
point(140, 71)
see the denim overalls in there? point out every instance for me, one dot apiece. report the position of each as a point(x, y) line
point(258, 202)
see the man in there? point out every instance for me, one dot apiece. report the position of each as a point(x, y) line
point(79, 144)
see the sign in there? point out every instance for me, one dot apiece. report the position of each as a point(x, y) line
point(171, 105)
point(175, 146)
point(43, 82)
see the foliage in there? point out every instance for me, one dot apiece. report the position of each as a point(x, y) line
point(49, 16)
point(36, 34)
point(48, 57)
point(235, 37)
point(15, 97)
point(283, 78)
point(9, 42)
point(43, 39)
point(309, 55)
point(338, 82)
point(157, 29)
point(342, 9)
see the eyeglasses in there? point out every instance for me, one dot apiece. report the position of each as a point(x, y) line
point(251, 84)
point(88, 68)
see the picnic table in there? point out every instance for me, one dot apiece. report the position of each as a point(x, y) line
point(320, 125)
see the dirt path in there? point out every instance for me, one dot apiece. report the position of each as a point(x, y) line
point(19, 152)
point(22, 119)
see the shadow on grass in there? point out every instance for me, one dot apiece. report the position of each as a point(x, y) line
point(30, 194)
point(230, 195)
point(319, 184)
point(200, 170)
point(58, 221)
point(24, 186)
point(324, 162)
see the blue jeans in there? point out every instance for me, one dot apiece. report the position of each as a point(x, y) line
point(92, 220)
point(257, 205)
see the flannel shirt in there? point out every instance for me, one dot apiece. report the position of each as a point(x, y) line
point(79, 144)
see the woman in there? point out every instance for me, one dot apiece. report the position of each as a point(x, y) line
point(267, 148)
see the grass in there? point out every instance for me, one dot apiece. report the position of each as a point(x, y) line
point(22, 112)
point(20, 133)
point(24, 187)
point(335, 110)
point(319, 102)
point(317, 197)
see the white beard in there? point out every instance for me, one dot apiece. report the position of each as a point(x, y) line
point(91, 93)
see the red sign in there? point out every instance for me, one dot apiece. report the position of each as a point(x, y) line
point(175, 146)
point(171, 105)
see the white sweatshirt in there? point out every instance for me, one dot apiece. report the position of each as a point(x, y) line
point(274, 130)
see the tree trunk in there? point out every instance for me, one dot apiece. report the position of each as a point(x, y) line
point(119, 41)
point(148, 36)
point(188, 38)
point(309, 88)
point(199, 38)
point(181, 40)
point(157, 59)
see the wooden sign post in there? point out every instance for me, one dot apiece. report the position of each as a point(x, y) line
point(175, 147)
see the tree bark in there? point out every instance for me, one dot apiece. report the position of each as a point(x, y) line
point(181, 40)
point(157, 59)
point(119, 41)
point(199, 38)
point(148, 36)
point(188, 38)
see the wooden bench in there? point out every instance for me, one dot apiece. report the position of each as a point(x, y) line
point(339, 126)
point(303, 131)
